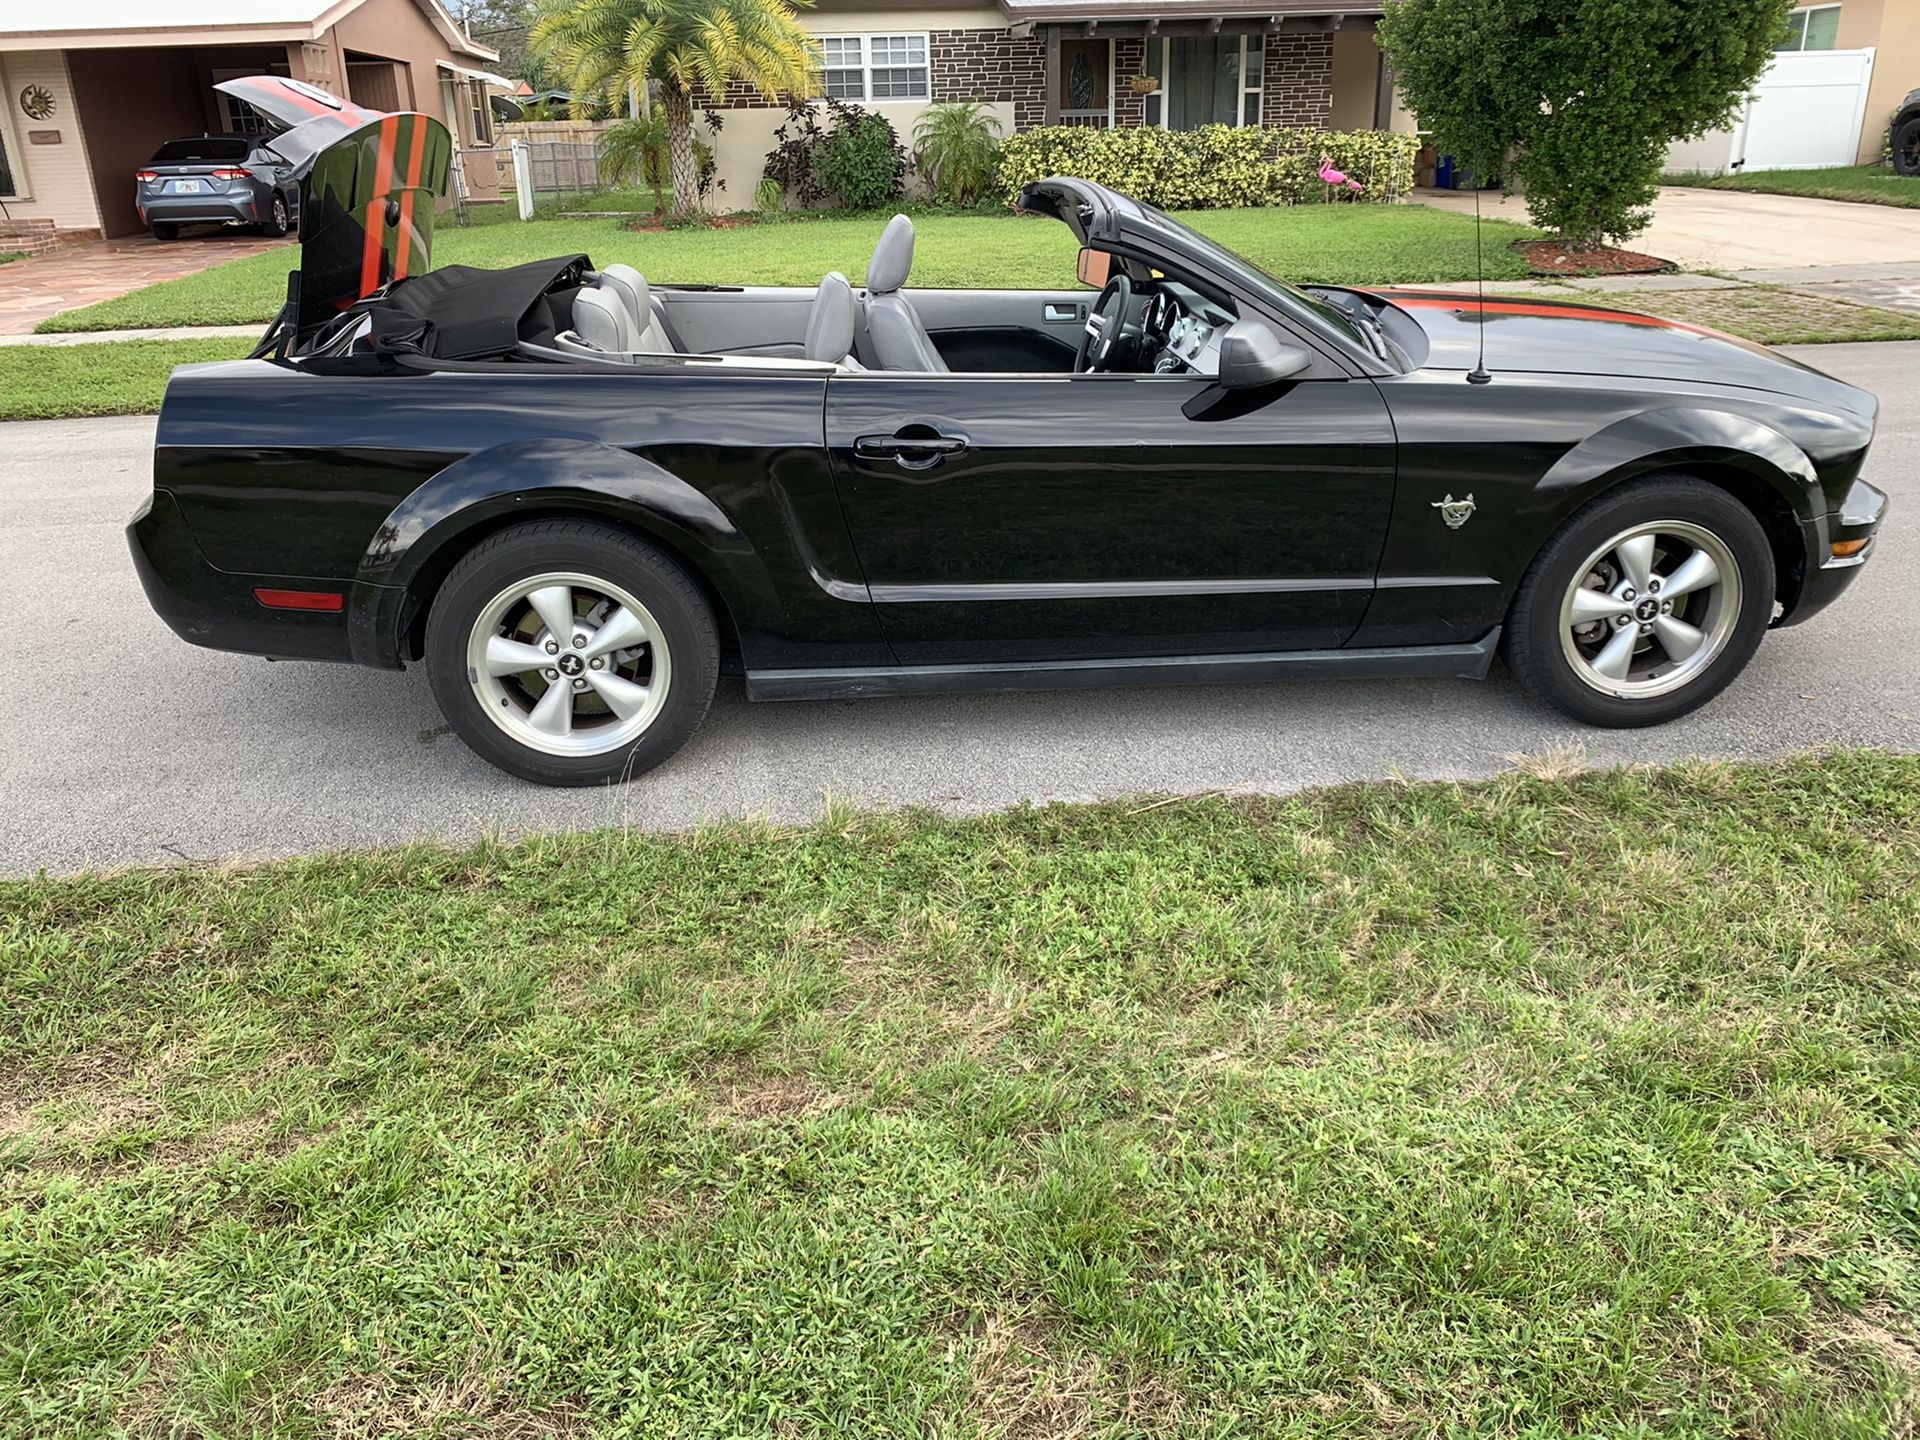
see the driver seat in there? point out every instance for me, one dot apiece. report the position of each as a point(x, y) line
point(894, 333)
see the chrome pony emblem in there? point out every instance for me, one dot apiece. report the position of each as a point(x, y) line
point(1454, 512)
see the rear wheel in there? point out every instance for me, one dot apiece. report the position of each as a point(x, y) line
point(276, 221)
point(1645, 606)
point(163, 231)
point(1906, 147)
point(570, 653)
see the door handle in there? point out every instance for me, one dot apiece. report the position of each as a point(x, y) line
point(1062, 314)
point(910, 452)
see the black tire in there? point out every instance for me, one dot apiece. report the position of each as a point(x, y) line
point(1533, 645)
point(683, 618)
point(164, 231)
point(1906, 146)
point(276, 221)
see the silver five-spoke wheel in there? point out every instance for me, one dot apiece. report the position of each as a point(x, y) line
point(1650, 609)
point(568, 663)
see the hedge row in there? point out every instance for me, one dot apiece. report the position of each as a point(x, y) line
point(1216, 166)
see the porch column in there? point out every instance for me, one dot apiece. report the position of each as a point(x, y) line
point(1051, 114)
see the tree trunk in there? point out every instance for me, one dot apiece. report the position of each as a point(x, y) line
point(686, 175)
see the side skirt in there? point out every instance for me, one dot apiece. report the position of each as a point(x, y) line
point(1407, 662)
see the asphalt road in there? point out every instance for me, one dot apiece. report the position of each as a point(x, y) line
point(126, 746)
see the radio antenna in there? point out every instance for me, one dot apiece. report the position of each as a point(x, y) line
point(1478, 375)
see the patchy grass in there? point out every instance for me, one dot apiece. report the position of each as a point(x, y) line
point(1865, 184)
point(7, 257)
point(1766, 313)
point(50, 382)
point(1337, 244)
point(1573, 1105)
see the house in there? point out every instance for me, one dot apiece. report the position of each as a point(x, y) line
point(1084, 62)
point(90, 88)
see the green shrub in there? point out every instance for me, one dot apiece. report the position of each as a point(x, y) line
point(957, 146)
point(861, 164)
point(1213, 167)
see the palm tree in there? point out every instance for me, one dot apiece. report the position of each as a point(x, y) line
point(620, 45)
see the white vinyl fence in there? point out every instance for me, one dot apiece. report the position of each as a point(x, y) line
point(1809, 109)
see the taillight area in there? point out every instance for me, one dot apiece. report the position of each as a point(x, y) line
point(146, 177)
point(229, 174)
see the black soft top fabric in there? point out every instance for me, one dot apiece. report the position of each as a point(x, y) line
point(464, 313)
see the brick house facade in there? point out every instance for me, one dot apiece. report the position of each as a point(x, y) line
point(1273, 63)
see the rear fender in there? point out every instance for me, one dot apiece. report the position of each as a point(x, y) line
point(427, 532)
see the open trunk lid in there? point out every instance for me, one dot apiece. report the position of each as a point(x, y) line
point(368, 185)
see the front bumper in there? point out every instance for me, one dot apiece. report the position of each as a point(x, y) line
point(1828, 575)
point(218, 608)
point(232, 208)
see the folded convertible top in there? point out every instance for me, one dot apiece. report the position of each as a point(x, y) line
point(463, 313)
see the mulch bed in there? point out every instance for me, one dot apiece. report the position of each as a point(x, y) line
point(1550, 257)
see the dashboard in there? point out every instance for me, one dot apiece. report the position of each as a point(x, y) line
point(1182, 332)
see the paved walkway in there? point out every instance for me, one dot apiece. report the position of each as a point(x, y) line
point(167, 332)
point(1732, 230)
point(75, 275)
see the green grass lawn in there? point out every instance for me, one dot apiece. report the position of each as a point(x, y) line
point(1330, 243)
point(1536, 1108)
point(48, 382)
point(1868, 184)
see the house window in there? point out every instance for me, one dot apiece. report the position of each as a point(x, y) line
point(236, 116)
point(1206, 80)
point(874, 67)
point(478, 115)
point(1815, 28)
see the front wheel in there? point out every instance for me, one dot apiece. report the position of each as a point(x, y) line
point(1906, 147)
point(570, 653)
point(1645, 606)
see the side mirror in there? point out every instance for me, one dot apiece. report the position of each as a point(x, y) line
point(1094, 268)
point(1252, 355)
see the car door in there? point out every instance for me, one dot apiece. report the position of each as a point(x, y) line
point(1059, 517)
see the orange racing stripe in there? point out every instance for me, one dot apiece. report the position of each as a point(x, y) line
point(410, 179)
point(376, 218)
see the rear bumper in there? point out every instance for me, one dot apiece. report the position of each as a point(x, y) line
point(1827, 575)
point(217, 608)
point(232, 208)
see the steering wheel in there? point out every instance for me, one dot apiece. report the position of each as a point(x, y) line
point(1104, 324)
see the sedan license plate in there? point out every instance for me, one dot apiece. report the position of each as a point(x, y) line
point(186, 187)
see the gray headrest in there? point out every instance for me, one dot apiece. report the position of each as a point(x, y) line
point(601, 320)
point(631, 287)
point(830, 322)
point(892, 258)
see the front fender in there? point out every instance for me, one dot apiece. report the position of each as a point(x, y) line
point(533, 478)
point(1674, 438)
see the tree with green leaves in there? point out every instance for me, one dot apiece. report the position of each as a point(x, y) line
point(1577, 100)
point(614, 46)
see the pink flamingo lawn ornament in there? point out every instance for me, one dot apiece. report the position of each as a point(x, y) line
point(1334, 179)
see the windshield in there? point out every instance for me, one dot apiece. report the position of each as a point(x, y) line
point(1237, 268)
point(207, 147)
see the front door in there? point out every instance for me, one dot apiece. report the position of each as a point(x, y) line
point(1064, 517)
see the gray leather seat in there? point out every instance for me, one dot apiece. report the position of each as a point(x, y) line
point(830, 323)
point(629, 286)
point(601, 325)
point(898, 340)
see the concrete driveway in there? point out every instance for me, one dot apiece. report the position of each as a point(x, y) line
point(126, 746)
point(1730, 230)
point(74, 275)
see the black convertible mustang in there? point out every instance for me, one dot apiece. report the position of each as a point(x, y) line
point(579, 498)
